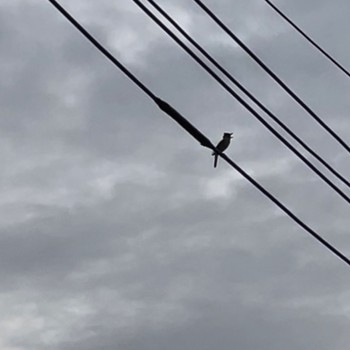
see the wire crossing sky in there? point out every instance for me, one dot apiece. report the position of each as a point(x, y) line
point(117, 232)
point(176, 116)
point(251, 96)
point(234, 37)
point(245, 104)
point(309, 39)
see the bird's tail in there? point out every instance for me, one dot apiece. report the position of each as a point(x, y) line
point(216, 156)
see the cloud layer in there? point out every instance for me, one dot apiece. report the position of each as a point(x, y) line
point(116, 232)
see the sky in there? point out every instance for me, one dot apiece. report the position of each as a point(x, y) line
point(116, 232)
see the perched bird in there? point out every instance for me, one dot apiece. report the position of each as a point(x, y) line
point(222, 145)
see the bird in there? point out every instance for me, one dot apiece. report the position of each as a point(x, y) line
point(222, 145)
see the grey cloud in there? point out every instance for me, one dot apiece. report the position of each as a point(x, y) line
point(117, 233)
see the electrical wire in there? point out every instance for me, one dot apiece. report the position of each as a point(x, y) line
point(246, 92)
point(273, 75)
point(175, 115)
point(308, 38)
point(244, 103)
point(102, 49)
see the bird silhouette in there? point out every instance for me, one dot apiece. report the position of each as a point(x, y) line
point(221, 146)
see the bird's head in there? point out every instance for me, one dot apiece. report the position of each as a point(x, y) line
point(228, 135)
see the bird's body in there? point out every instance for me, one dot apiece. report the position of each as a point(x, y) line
point(221, 146)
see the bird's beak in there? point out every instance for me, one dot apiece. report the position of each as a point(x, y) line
point(231, 135)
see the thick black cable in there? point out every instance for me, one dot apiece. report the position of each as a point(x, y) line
point(245, 91)
point(202, 139)
point(188, 127)
point(308, 38)
point(273, 75)
point(242, 101)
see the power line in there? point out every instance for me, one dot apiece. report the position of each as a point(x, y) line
point(102, 49)
point(244, 103)
point(310, 40)
point(200, 137)
point(273, 75)
point(245, 91)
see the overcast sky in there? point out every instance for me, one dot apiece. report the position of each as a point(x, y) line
point(116, 232)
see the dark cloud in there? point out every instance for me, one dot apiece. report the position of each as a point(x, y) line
point(117, 233)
